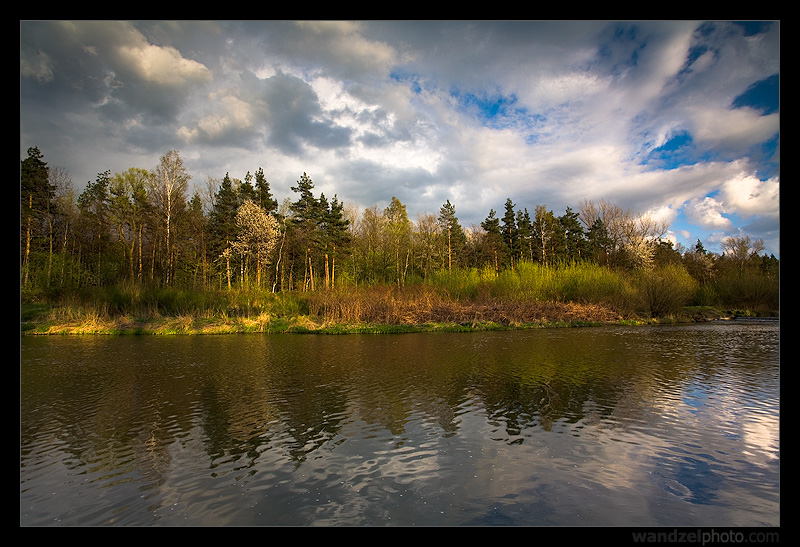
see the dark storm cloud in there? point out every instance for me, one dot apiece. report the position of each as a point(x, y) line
point(111, 67)
point(296, 118)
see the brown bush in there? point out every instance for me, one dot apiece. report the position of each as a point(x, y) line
point(420, 305)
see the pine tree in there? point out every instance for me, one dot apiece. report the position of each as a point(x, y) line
point(509, 230)
point(93, 205)
point(197, 222)
point(599, 242)
point(338, 233)
point(264, 197)
point(246, 190)
point(454, 236)
point(36, 192)
point(36, 201)
point(524, 235)
point(222, 219)
point(699, 249)
point(305, 219)
point(575, 245)
point(493, 239)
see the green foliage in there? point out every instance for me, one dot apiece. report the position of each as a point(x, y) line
point(458, 284)
point(264, 197)
point(598, 242)
point(747, 289)
point(222, 219)
point(36, 196)
point(572, 282)
point(454, 238)
point(587, 282)
point(663, 291)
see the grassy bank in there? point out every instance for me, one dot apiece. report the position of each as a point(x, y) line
point(531, 296)
point(38, 320)
point(377, 310)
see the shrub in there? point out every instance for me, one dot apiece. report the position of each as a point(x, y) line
point(748, 289)
point(664, 290)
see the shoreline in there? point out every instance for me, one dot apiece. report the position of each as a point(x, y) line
point(471, 320)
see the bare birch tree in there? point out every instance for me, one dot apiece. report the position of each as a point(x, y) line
point(169, 197)
point(633, 236)
point(741, 249)
point(65, 203)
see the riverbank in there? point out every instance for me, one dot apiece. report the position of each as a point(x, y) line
point(455, 317)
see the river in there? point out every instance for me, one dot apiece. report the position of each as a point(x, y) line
point(600, 426)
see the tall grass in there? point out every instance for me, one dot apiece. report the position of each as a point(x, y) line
point(530, 292)
point(465, 293)
point(429, 304)
point(460, 284)
point(573, 282)
point(148, 302)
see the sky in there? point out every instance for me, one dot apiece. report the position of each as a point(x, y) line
point(675, 119)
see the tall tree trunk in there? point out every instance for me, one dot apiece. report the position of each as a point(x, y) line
point(327, 272)
point(50, 254)
point(449, 251)
point(64, 252)
point(258, 267)
point(28, 239)
point(140, 253)
point(228, 269)
point(333, 267)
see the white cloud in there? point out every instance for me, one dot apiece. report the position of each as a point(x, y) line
point(340, 48)
point(234, 115)
point(662, 215)
point(707, 213)
point(735, 129)
point(127, 51)
point(747, 195)
point(161, 65)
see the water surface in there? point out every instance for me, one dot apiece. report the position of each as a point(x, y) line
point(608, 426)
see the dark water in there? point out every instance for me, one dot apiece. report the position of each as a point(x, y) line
point(609, 426)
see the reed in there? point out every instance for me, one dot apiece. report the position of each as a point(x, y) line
point(460, 284)
point(432, 303)
point(528, 294)
point(571, 282)
point(588, 282)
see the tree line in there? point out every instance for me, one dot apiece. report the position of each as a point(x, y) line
point(142, 226)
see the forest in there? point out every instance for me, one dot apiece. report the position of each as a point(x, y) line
point(136, 247)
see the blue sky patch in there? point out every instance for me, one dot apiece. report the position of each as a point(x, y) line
point(677, 151)
point(498, 111)
point(763, 95)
